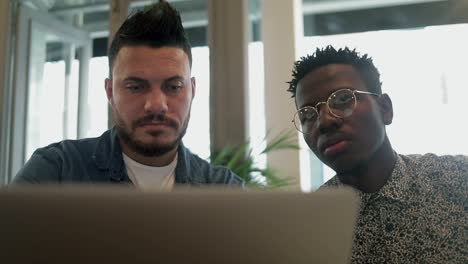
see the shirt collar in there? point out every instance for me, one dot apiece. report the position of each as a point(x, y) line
point(107, 155)
point(105, 149)
point(396, 188)
point(184, 170)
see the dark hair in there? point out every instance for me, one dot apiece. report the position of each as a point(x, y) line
point(156, 26)
point(329, 55)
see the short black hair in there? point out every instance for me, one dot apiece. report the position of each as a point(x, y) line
point(158, 25)
point(329, 55)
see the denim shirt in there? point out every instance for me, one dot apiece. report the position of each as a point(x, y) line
point(99, 160)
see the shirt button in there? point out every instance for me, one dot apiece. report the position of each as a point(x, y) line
point(389, 227)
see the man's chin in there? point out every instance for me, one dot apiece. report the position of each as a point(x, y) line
point(157, 143)
point(157, 139)
point(344, 165)
point(151, 145)
point(153, 131)
point(153, 150)
point(338, 165)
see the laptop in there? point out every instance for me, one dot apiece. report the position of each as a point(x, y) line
point(72, 224)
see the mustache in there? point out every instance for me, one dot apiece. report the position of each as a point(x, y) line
point(155, 118)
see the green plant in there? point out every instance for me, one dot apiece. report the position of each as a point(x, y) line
point(240, 160)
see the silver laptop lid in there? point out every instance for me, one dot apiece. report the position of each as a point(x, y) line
point(104, 225)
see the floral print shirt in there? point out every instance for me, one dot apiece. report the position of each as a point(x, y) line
point(418, 216)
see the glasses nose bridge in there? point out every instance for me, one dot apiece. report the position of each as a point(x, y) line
point(317, 107)
point(324, 118)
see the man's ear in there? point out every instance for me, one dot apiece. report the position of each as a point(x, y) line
point(192, 80)
point(386, 108)
point(109, 93)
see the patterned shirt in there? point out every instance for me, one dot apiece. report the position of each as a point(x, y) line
point(418, 216)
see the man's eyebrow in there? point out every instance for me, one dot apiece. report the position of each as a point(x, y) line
point(175, 78)
point(343, 87)
point(136, 79)
point(144, 81)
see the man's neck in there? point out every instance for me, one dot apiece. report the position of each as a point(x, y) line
point(157, 161)
point(371, 176)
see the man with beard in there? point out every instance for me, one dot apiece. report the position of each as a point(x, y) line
point(413, 207)
point(150, 91)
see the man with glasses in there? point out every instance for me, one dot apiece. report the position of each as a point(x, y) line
point(413, 207)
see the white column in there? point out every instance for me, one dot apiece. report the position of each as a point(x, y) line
point(4, 8)
point(84, 112)
point(281, 31)
point(4, 61)
point(118, 12)
point(228, 40)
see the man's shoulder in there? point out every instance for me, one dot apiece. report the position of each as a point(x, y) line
point(66, 160)
point(446, 173)
point(435, 158)
point(69, 146)
point(439, 163)
point(201, 171)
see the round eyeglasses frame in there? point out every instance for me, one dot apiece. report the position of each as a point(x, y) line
point(332, 96)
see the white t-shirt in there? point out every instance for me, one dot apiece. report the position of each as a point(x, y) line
point(148, 177)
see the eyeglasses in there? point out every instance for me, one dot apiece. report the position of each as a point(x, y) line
point(340, 104)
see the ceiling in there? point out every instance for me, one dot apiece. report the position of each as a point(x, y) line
point(320, 16)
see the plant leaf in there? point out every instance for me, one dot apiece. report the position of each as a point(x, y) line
point(220, 157)
point(242, 162)
point(284, 140)
point(238, 155)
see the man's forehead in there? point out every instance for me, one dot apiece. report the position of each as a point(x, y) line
point(145, 60)
point(330, 73)
point(147, 52)
point(318, 84)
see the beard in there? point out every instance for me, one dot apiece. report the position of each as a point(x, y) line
point(127, 135)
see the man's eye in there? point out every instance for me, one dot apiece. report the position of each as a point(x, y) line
point(308, 116)
point(173, 87)
point(134, 87)
point(343, 99)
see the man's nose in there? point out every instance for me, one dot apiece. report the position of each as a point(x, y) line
point(326, 120)
point(156, 101)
